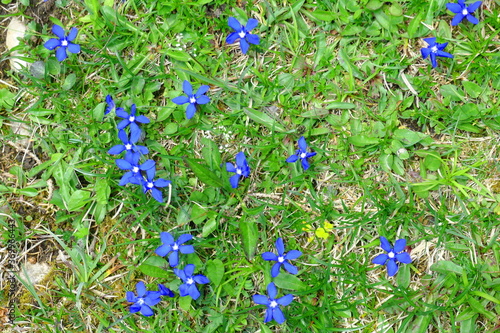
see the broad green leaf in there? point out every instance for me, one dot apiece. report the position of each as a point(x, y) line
point(249, 236)
point(77, 200)
point(386, 161)
point(324, 15)
point(362, 140)
point(69, 82)
point(215, 271)
point(290, 282)
point(432, 162)
point(102, 191)
point(398, 166)
point(203, 173)
point(449, 90)
point(420, 324)
point(156, 261)
point(473, 89)
point(209, 227)
point(153, 271)
point(408, 137)
point(185, 303)
point(403, 277)
point(211, 153)
point(198, 214)
point(374, 4)
point(341, 105)
point(30, 192)
point(264, 119)
point(445, 266)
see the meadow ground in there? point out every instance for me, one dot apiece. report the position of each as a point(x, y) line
point(403, 150)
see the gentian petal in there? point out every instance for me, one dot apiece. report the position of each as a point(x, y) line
point(433, 60)
point(275, 270)
point(474, 6)
point(73, 48)
point(472, 19)
point(293, 254)
point(430, 40)
point(72, 34)
point(244, 46)
point(241, 159)
point(292, 159)
point(173, 259)
point(233, 36)
point(271, 290)
point(141, 289)
point(302, 144)
point(149, 164)
point(305, 163)
point(157, 195)
point(184, 290)
point(180, 274)
point(163, 250)
point(120, 112)
point(252, 39)
point(230, 167)
point(285, 300)
point(190, 111)
point(380, 259)
point(130, 297)
point(189, 269)
point(280, 246)
point(444, 54)
point(233, 23)
point(142, 119)
point(260, 299)
point(150, 174)
point(457, 19)
point(278, 315)
point(290, 268)
point(61, 53)
point(186, 249)
point(58, 31)
point(187, 88)
point(122, 124)
point(425, 52)
point(160, 182)
point(184, 238)
point(454, 7)
point(203, 99)
point(269, 315)
point(122, 135)
point(384, 244)
point(251, 24)
point(201, 279)
point(135, 308)
point(141, 149)
point(123, 164)
point(115, 150)
point(165, 291)
point(52, 43)
point(392, 267)
point(269, 256)
point(201, 90)
point(193, 291)
point(400, 245)
point(403, 257)
point(181, 100)
point(233, 180)
point(166, 238)
point(126, 178)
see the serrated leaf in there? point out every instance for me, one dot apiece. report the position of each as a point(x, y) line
point(203, 173)
point(215, 271)
point(264, 119)
point(249, 237)
point(289, 281)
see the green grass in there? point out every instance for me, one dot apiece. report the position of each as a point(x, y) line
point(403, 151)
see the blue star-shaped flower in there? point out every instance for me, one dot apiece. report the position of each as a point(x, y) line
point(434, 50)
point(273, 310)
point(144, 299)
point(62, 42)
point(190, 281)
point(111, 105)
point(463, 11)
point(164, 291)
point(242, 169)
point(282, 259)
point(131, 119)
point(128, 145)
point(394, 255)
point(131, 163)
point(242, 32)
point(149, 184)
point(302, 154)
point(192, 99)
point(173, 247)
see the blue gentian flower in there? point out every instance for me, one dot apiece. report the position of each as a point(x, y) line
point(144, 299)
point(192, 99)
point(394, 255)
point(173, 247)
point(164, 291)
point(241, 169)
point(243, 33)
point(282, 259)
point(302, 154)
point(273, 310)
point(189, 286)
point(62, 42)
point(111, 105)
point(463, 11)
point(149, 184)
point(434, 50)
point(131, 163)
point(128, 145)
point(131, 119)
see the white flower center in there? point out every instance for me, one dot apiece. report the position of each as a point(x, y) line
point(131, 119)
point(192, 100)
point(238, 171)
point(434, 49)
point(65, 42)
point(390, 254)
point(150, 185)
point(175, 247)
point(281, 259)
point(135, 169)
point(303, 155)
point(465, 12)
point(128, 146)
point(140, 301)
point(273, 304)
point(242, 34)
point(190, 281)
